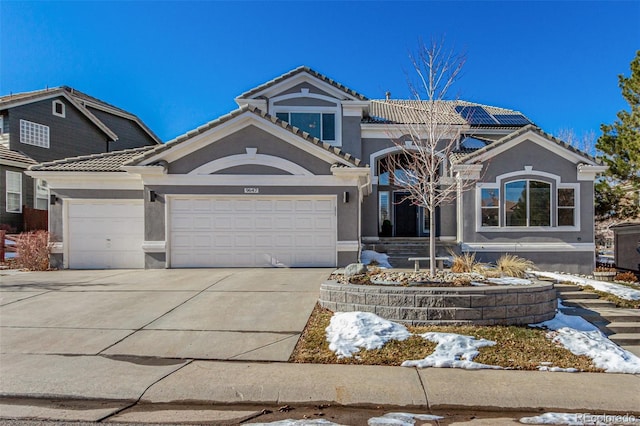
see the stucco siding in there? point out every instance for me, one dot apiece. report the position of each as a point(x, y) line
point(250, 137)
point(573, 262)
point(351, 142)
point(306, 102)
point(298, 88)
point(627, 243)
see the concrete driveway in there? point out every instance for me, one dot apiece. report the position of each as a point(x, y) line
point(211, 314)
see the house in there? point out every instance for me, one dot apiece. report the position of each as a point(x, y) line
point(50, 124)
point(627, 245)
point(297, 176)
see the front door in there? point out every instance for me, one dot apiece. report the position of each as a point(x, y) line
point(405, 216)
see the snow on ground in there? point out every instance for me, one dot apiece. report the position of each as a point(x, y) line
point(452, 351)
point(621, 291)
point(349, 331)
point(583, 338)
point(367, 256)
point(573, 419)
point(303, 422)
point(401, 419)
point(509, 281)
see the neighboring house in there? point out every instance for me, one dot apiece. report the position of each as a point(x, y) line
point(627, 245)
point(50, 124)
point(297, 177)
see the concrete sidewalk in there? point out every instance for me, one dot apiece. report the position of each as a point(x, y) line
point(113, 385)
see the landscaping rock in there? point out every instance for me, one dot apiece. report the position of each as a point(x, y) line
point(355, 269)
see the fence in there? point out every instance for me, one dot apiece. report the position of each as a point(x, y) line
point(34, 219)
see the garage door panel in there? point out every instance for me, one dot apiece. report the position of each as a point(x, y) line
point(105, 234)
point(258, 231)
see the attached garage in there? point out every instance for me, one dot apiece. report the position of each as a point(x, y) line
point(252, 231)
point(105, 234)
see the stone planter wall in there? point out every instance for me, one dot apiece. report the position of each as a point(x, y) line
point(490, 305)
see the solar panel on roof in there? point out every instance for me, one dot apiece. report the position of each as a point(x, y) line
point(512, 119)
point(476, 115)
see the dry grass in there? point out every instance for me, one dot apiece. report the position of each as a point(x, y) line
point(463, 263)
point(520, 348)
point(511, 265)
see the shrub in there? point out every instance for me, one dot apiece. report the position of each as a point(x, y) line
point(33, 251)
point(605, 269)
point(464, 262)
point(513, 266)
point(627, 277)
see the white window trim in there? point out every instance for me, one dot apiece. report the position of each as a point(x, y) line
point(34, 126)
point(35, 194)
point(8, 173)
point(304, 93)
point(527, 174)
point(53, 108)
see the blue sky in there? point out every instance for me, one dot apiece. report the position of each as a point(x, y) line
point(180, 64)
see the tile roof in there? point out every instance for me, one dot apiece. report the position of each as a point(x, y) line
point(469, 156)
point(251, 109)
point(7, 155)
point(80, 101)
point(299, 70)
point(402, 111)
point(105, 162)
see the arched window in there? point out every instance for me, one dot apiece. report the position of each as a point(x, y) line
point(527, 203)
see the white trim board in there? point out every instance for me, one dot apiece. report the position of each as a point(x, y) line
point(517, 247)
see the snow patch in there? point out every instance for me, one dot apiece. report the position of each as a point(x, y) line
point(573, 419)
point(367, 256)
point(583, 338)
point(303, 422)
point(452, 351)
point(621, 291)
point(349, 331)
point(509, 281)
point(401, 419)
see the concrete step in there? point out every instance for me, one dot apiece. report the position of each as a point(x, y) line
point(617, 315)
point(574, 295)
point(634, 349)
point(625, 339)
point(564, 287)
point(621, 327)
point(589, 303)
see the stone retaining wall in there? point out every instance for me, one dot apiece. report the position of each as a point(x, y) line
point(490, 305)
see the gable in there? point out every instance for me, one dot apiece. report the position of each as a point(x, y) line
point(247, 150)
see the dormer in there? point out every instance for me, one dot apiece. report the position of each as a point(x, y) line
point(308, 100)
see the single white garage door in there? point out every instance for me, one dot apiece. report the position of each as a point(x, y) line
point(105, 234)
point(252, 231)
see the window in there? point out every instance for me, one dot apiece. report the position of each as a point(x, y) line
point(527, 203)
point(566, 207)
point(58, 108)
point(42, 195)
point(319, 125)
point(14, 192)
point(490, 206)
point(34, 134)
point(384, 206)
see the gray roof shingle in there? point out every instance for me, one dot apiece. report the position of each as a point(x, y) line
point(299, 70)
point(15, 157)
point(106, 162)
point(402, 111)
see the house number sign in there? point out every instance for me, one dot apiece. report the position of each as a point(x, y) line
point(252, 190)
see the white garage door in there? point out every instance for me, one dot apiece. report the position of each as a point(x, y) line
point(106, 234)
point(252, 232)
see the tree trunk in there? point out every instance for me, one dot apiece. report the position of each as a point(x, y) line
point(432, 242)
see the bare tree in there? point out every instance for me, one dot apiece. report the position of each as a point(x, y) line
point(585, 142)
point(430, 131)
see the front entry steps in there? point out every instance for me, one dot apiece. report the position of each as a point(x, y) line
point(400, 250)
point(622, 326)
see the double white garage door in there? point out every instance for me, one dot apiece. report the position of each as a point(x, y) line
point(252, 231)
point(207, 231)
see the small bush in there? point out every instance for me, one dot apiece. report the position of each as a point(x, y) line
point(627, 277)
point(513, 266)
point(33, 251)
point(464, 262)
point(605, 269)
